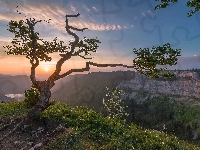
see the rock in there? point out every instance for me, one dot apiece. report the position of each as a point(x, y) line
point(17, 142)
point(30, 143)
point(60, 128)
point(36, 146)
point(24, 148)
point(186, 83)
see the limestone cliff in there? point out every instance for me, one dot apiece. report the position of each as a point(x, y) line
point(185, 84)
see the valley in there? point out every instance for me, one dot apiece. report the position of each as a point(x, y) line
point(169, 105)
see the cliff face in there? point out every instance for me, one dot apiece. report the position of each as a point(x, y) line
point(186, 83)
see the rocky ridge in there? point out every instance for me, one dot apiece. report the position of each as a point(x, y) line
point(185, 84)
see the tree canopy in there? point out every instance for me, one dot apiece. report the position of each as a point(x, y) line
point(193, 4)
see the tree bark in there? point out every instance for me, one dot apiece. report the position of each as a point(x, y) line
point(43, 102)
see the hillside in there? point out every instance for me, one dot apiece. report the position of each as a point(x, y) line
point(142, 94)
point(60, 127)
point(170, 104)
point(88, 90)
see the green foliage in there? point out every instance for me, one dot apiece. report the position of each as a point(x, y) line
point(12, 109)
point(167, 115)
point(188, 116)
point(149, 60)
point(192, 3)
point(90, 130)
point(113, 104)
point(31, 97)
point(164, 4)
point(23, 43)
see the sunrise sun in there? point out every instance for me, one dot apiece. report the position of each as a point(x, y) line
point(46, 69)
point(47, 66)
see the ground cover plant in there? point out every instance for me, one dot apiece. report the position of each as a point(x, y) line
point(88, 129)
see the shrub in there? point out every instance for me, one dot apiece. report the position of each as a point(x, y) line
point(113, 104)
point(31, 97)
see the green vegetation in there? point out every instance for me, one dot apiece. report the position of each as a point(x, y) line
point(12, 109)
point(163, 114)
point(113, 104)
point(90, 130)
point(31, 97)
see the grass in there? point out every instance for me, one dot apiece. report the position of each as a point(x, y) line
point(90, 130)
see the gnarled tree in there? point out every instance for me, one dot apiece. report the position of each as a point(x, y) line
point(145, 63)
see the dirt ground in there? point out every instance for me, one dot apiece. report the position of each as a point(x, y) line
point(32, 135)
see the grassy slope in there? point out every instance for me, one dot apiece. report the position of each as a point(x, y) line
point(90, 130)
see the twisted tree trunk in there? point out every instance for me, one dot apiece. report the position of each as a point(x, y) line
point(43, 102)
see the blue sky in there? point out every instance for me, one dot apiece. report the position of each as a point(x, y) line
point(120, 26)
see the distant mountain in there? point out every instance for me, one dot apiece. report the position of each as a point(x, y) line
point(17, 84)
point(14, 84)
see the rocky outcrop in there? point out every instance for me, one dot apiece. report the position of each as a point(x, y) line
point(186, 83)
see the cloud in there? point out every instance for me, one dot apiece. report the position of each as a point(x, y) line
point(73, 8)
point(152, 14)
point(143, 14)
point(95, 8)
point(87, 9)
point(148, 13)
point(57, 15)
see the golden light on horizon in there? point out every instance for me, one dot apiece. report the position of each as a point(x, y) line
point(46, 66)
point(46, 69)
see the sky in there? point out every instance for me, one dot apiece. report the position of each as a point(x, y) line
point(120, 26)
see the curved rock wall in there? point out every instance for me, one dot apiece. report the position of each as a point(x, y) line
point(187, 83)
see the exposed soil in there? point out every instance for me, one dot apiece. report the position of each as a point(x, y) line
point(32, 135)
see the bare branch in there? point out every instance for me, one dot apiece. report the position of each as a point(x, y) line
point(77, 28)
point(71, 33)
point(73, 15)
point(82, 56)
point(107, 65)
point(68, 54)
point(87, 68)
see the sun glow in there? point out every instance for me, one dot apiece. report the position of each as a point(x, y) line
point(46, 69)
point(47, 66)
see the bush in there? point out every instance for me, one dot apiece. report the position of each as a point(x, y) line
point(31, 97)
point(114, 105)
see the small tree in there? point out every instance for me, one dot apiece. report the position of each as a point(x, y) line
point(145, 63)
point(114, 104)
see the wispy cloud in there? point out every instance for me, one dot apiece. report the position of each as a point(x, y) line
point(143, 14)
point(152, 14)
point(94, 8)
point(148, 13)
point(86, 8)
point(73, 8)
point(57, 16)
